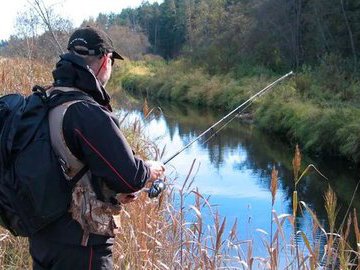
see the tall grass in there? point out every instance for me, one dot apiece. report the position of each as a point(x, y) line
point(273, 246)
point(179, 81)
point(167, 233)
point(14, 252)
point(20, 75)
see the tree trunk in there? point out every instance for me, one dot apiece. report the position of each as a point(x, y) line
point(351, 37)
point(43, 12)
point(298, 32)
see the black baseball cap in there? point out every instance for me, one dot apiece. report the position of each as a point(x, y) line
point(90, 40)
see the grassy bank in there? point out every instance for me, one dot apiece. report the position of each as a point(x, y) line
point(317, 108)
point(178, 81)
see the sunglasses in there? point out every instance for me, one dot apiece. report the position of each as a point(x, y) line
point(112, 59)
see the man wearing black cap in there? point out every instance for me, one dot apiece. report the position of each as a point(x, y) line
point(86, 133)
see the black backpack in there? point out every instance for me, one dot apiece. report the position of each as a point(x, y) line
point(33, 189)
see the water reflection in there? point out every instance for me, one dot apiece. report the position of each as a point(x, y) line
point(258, 152)
point(235, 167)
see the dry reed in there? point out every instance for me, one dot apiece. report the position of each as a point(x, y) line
point(273, 188)
point(20, 75)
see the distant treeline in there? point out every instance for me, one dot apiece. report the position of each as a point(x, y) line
point(278, 34)
point(223, 35)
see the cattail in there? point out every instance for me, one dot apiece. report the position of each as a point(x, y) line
point(296, 163)
point(273, 185)
point(273, 189)
point(331, 207)
point(145, 108)
point(3, 77)
point(274, 258)
point(347, 231)
point(357, 232)
point(219, 234)
point(233, 231)
point(295, 203)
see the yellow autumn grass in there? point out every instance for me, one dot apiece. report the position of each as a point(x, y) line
point(20, 75)
point(140, 70)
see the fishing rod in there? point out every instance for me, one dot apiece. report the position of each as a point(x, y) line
point(228, 115)
point(159, 185)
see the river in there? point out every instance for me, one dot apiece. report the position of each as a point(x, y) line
point(234, 169)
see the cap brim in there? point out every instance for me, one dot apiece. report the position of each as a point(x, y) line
point(117, 56)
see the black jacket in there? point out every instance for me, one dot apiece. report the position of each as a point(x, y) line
point(92, 134)
point(94, 137)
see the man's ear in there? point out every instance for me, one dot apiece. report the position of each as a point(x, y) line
point(103, 60)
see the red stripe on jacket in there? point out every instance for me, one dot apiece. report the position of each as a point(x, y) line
point(104, 159)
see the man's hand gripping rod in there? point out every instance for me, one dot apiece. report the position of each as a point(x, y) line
point(158, 185)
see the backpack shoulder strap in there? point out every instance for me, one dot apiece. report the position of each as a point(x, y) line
point(72, 167)
point(60, 95)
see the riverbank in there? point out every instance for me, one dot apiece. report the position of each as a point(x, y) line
point(317, 108)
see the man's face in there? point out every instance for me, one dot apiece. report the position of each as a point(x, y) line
point(105, 70)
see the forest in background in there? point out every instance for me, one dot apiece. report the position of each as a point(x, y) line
point(221, 35)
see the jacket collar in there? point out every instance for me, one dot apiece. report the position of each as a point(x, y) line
point(72, 71)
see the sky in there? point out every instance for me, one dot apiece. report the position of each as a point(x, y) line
point(75, 10)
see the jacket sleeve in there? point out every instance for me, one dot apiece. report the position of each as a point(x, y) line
point(93, 136)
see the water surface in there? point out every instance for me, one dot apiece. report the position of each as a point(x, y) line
point(234, 169)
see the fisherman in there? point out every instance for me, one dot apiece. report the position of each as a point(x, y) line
point(86, 134)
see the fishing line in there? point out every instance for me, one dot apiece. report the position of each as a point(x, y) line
point(258, 94)
point(223, 126)
point(228, 122)
point(159, 184)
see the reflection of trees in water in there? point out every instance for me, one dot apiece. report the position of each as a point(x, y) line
point(263, 151)
point(311, 188)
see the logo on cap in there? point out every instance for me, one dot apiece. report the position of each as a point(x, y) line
point(77, 39)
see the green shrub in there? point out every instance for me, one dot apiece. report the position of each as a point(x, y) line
point(315, 108)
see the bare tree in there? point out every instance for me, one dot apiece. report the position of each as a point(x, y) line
point(26, 30)
point(40, 34)
point(49, 19)
point(352, 43)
